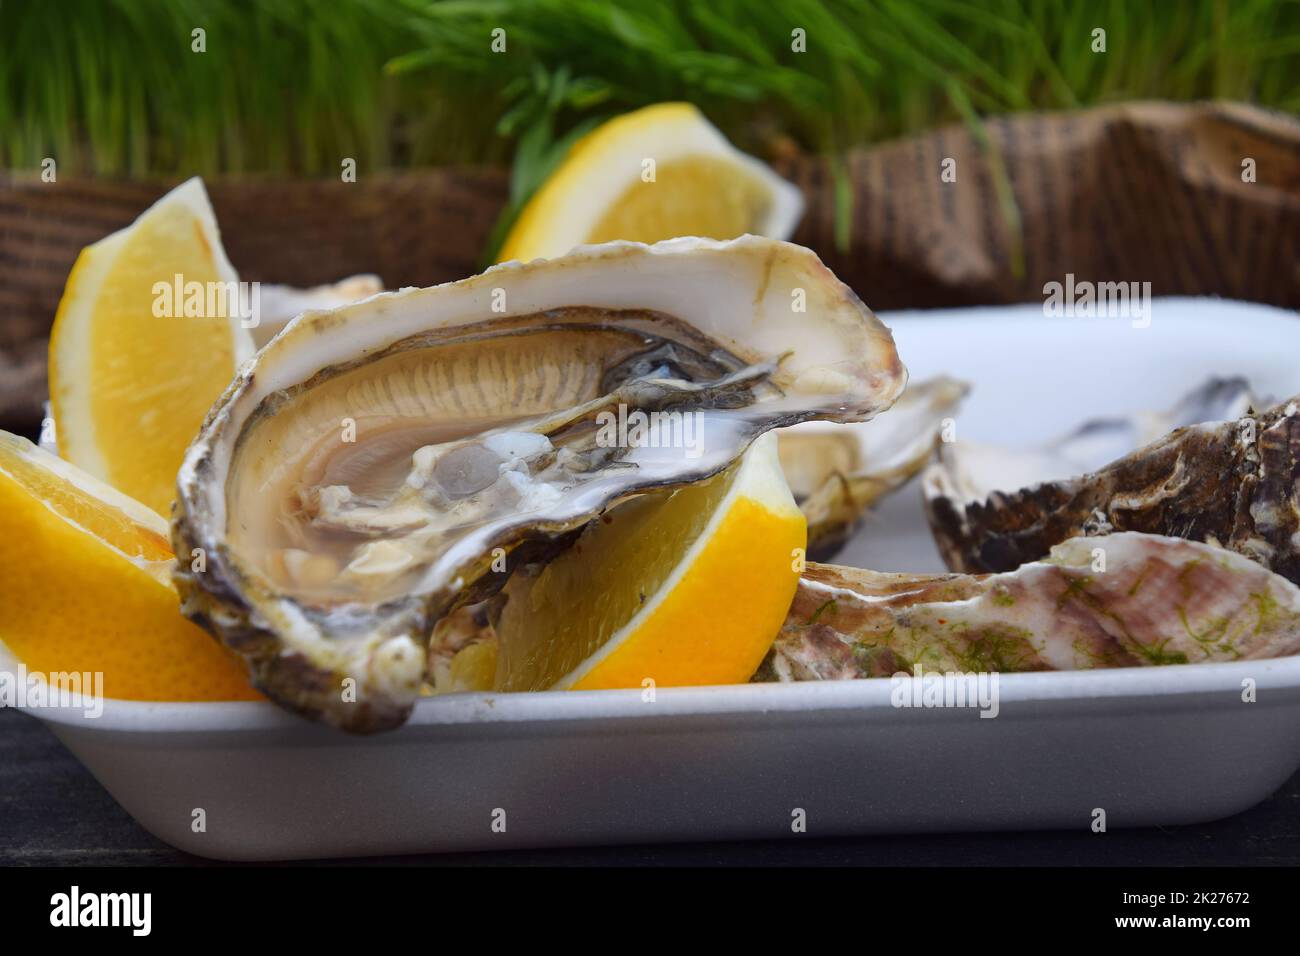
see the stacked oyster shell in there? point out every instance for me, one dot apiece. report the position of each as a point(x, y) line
point(838, 472)
point(1223, 474)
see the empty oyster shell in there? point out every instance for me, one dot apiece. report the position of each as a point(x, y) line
point(1159, 600)
point(1230, 483)
point(376, 465)
point(281, 303)
point(837, 472)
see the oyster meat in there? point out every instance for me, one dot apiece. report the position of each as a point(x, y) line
point(1228, 482)
point(838, 472)
point(1152, 600)
point(381, 464)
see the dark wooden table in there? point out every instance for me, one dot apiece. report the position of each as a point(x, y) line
point(52, 811)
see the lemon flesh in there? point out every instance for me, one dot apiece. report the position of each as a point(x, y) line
point(697, 196)
point(130, 387)
point(687, 587)
point(656, 173)
point(83, 588)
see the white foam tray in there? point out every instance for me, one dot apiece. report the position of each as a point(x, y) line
point(1147, 746)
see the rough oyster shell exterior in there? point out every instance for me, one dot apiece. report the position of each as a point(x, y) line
point(1230, 483)
point(1159, 600)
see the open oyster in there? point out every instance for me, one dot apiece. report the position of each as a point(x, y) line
point(1116, 600)
point(837, 472)
point(378, 465)
point(1228, 482)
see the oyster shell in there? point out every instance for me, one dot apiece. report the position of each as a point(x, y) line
point(837, 472)
point(1231, 483)
point(281, 303)
point(378, 465)
point(1159, 600)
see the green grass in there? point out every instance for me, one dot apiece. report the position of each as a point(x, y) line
point(112, 87)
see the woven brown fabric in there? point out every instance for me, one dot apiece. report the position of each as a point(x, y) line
point(1138, 192)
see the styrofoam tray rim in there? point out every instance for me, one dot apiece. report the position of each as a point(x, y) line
point(606, 705)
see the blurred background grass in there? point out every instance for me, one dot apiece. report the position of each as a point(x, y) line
point(292, 86)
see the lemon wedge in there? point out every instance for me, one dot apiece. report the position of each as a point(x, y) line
point(687, 587)
point(656, 173)
point(134, 366)
point(84, 587)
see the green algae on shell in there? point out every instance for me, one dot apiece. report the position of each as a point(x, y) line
point(1119, 600)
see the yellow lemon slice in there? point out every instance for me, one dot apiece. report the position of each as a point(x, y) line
point(657, 173)
point(84, 587)
point(145, 339)
point(685, 587)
